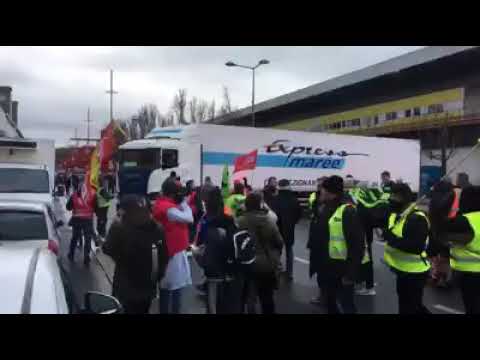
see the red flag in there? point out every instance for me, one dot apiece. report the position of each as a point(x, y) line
point(106, 146)
point(246, 162)
point(112, 137)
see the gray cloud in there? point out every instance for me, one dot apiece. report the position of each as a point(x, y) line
point(55, 85)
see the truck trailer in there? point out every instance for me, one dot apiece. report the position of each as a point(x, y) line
point(197, 151)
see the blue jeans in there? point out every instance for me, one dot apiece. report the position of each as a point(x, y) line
point(172, 297)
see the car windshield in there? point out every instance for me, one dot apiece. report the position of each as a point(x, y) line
point(17, 225)
point(23, 181)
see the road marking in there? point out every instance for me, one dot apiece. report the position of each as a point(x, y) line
point(303, 261)
point(447, 309)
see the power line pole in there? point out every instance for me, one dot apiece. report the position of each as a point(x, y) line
point(111, 92)
point(76, 136)
point(88, 126)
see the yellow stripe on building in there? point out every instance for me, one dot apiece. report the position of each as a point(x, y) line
point(438, 97)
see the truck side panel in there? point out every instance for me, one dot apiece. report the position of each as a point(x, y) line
point(44, 154)
point(305, 156)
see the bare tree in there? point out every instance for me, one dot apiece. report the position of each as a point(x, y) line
point(179, 106)
point(226, 107)
point(146, 119)
point(170, 118)
point(202, 108)
point(211, 111)
point(133, 131)
point(193, 108)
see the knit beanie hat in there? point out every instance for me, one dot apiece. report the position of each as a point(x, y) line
point(334, 185)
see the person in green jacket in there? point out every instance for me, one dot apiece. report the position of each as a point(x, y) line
point(236, 200)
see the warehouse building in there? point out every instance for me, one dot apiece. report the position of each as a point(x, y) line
point(432, 94)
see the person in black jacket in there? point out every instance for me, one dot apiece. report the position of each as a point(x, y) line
point(405, 251)
point(289, 212)
point(338, 273)
point(129, 243)
point(215, 234)
point(270, 191)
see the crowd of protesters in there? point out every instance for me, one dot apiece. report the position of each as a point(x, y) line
point(244, 242)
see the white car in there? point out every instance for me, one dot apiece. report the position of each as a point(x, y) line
point(31, 280)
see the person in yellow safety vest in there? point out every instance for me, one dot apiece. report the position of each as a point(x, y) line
point(462, 233)
point(103, 202)
point(346, 246)
point(407, 239)
point(366, 202)
point(236, 200)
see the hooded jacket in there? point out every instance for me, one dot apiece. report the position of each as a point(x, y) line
point(129, 243)
point(269, 240)
point(219, 247)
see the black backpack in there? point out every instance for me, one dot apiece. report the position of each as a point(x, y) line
point(244, 248)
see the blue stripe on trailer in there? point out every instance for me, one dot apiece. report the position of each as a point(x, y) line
point(317, 162)
point(172, 131)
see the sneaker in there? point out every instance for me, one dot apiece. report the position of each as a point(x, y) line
point(367, 292)
point(360, 286)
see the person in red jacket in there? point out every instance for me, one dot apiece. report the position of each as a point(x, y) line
point(173, 213)
point(82, 205)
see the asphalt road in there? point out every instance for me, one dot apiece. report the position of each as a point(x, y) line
point(291, 298)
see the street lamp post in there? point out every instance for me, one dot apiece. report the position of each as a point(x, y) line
point(252, 68)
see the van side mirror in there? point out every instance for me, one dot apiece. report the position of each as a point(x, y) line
point(99, 303)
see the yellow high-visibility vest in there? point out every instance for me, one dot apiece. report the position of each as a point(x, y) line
point(401, 260)
point(467, 258)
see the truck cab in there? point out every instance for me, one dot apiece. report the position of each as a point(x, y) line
point(145, 164)
point(27, 169)
point(25, 182)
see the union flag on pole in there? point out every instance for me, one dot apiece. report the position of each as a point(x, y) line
point(246, 162)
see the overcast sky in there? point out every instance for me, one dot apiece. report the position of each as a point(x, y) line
point(56, 85)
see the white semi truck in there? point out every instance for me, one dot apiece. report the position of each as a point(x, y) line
point(27, 169)
point(197, 151)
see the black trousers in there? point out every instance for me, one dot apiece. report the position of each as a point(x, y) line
point(410, 287)
point(367, 268)
point(263, 289)
point(339, 296)
point(102, 221)
point(289, 259)
point(470, 288)
point(137, 306)
point(82, 227)
point(224, 297)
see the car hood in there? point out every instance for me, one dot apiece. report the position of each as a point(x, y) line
point(15, 262)
point(49, 296)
